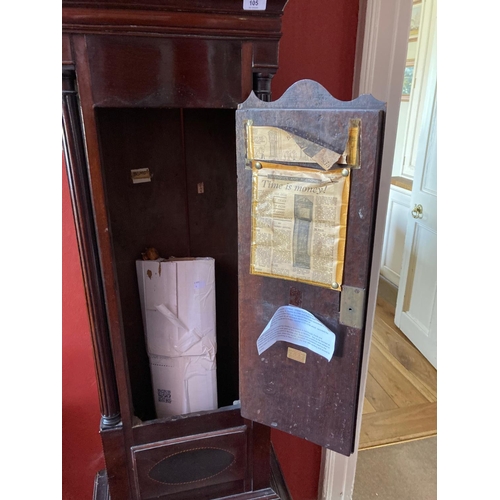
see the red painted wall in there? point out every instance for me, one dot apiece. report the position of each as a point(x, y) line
point(319, 41)
point(82, 452)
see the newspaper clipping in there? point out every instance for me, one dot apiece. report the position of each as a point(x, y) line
point(299, 218)
point(275, 144)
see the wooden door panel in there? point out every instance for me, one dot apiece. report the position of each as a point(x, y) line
point(184, 464)
point(315, 400)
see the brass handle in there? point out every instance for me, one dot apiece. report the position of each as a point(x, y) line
point(418, 212)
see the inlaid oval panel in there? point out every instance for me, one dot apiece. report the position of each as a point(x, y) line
point(192, 465)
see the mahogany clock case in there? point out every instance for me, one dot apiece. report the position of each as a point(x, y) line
point(156, 85)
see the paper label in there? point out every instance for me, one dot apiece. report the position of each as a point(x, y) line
point(297, 326)
point(296, 355)
point(254, 4)
point(140, 175)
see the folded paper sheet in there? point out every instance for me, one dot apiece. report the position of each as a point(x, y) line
point(279, 145)
point(297, 326)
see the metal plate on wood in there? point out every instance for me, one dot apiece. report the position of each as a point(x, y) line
point(352, 301)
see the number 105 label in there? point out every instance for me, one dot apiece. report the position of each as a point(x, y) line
point(254, 4)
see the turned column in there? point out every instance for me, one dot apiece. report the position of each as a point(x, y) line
point(76, 166)
point(262, 85)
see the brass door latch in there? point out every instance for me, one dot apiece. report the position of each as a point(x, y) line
point(417, 212)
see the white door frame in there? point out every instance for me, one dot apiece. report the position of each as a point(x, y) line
point(383, 29)
point(418, 322)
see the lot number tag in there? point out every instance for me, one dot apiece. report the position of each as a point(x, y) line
point(254, 4)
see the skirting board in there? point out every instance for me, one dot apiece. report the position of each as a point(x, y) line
point(387, 290)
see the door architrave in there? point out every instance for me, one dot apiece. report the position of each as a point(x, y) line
point(379, 70)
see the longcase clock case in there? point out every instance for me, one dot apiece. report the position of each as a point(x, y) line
point(157, 85)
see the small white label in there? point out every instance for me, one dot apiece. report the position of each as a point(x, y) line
point(140, 175)
point(201, 187)
point(254, 4)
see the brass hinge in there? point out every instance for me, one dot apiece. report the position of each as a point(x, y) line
point(352, 306)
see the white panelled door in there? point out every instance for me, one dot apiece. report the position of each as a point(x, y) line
point(394, 237)
point(417, 295)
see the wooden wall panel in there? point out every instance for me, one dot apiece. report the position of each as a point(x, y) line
point(151, 214)
point(210, 146)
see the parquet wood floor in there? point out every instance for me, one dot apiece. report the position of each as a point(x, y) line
point(401, 393)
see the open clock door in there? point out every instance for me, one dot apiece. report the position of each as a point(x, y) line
point(308, 170)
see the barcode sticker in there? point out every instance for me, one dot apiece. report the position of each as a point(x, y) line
point(164, 396)
point(254, 4)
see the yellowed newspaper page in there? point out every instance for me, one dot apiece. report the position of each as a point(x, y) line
point(278, 145)
point(299, 218)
